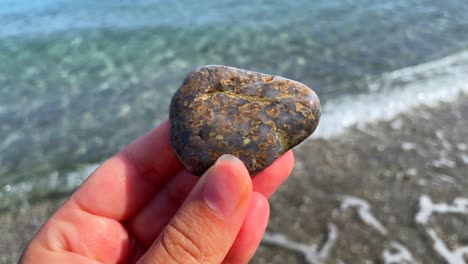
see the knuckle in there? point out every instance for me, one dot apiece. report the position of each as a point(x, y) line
point(181, 243)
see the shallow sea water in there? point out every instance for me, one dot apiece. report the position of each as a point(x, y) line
point(81, 79)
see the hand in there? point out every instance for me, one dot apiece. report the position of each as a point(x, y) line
point(140, 205)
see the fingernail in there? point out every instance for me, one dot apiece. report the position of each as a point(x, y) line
point(224, 186)
point(230, 158)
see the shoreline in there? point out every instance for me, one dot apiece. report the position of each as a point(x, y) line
point(357, 197)
point(362, 195)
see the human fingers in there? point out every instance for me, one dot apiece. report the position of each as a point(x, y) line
point(125, 182)
point(271, 178)
point(88, 224)
point(151, 220)
point(250, 235)
point(205, 227)
point(72, 235)
point(162, 207)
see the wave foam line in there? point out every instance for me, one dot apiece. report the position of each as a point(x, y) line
point(396, 92)
point(310, 252)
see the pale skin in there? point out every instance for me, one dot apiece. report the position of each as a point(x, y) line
point(141, 206)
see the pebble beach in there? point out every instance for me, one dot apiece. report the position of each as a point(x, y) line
point(381, 180)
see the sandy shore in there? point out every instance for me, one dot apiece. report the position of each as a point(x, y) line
point(387, 192)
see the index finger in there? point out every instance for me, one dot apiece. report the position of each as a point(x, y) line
point(271, 178)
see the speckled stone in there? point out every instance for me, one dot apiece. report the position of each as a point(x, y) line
point(253, 116)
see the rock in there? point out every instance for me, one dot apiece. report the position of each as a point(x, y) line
point(253, 116)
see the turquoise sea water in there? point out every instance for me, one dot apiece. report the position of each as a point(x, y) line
point(80, 79)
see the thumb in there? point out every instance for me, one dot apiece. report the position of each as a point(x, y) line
point(206, 225)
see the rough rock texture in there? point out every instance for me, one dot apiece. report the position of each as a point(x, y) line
point(253, 116)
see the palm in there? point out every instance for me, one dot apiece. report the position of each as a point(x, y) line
point(122, 208)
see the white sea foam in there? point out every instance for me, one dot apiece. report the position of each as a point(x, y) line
point(462, 146)
point(53, 183)
point(455, 256)
point(427, 208)
point(407, 146)
point(398, 91)
point(310, 252)
point(364, 211)
point(398, 255)
point(464, 158)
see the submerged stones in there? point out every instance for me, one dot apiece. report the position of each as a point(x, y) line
point(253, 116)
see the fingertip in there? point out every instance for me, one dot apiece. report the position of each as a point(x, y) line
point(233, 163)
point(259, 206)
point(227, 185)
point(250, 235)
point(215, 210)
point(270, 179)
point(256, 221)
point(235, 170)
point(287, 161)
